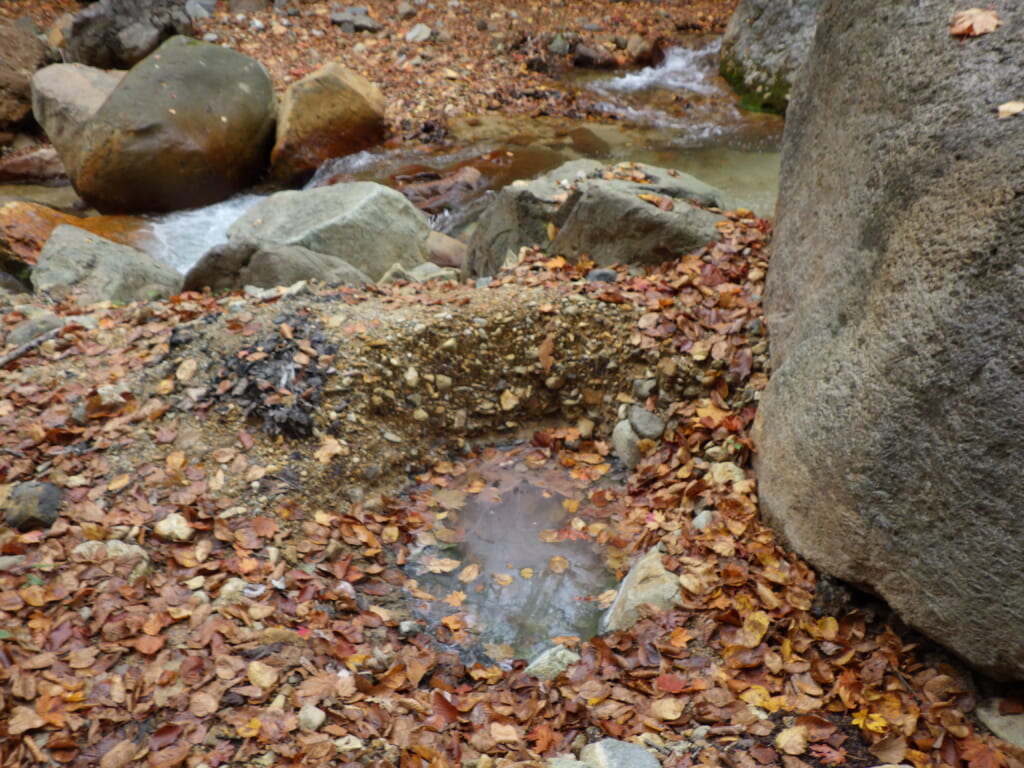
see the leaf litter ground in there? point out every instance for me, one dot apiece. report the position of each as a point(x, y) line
point(271, 628)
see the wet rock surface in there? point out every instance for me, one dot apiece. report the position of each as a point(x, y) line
point(764, 46)
point(627, 213)
point(156, 145)
point(97, 269)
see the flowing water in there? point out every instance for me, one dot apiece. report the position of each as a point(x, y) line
point(679, 114)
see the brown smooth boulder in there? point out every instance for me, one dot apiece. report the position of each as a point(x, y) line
point(21, 54)
point(189, 125)
point(891, 436)
point(330, 113)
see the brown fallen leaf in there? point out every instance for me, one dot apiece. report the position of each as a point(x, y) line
point(23, 719)
point(504, 733)
point(974, 22)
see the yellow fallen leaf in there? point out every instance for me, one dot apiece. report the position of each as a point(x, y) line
point(261, 675)
point(753, 630)
point(558, 564)
point(792, 741)
point(119, 482)
point(526, 573)
point(469, 573)
point(504, 579)
point(668, 709)
point(456, 598)
point(1010, 108)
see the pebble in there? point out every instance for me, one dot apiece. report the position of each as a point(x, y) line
point(33, 506)
point(256, 25)
point(612, 753)
point(624, 441)
point(412, 377)
point(552, 662)
point(645, 423)
point(703, 520)
point(211, 37)
point(418, 34)
point(311, 717)
point(600, 274)
point(405, 11)
point(174, 527)
point(443, 383)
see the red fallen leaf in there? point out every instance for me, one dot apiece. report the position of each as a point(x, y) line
point(164, 736)
point(978, 754)
point(827, 755)
point(245, 439)
point(671, 683)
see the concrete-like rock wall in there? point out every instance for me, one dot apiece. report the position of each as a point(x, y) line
point(891, 436)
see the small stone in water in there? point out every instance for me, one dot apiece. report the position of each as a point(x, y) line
point(418, 34)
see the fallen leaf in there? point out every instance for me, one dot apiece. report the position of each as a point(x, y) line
point(668, 709)
point(545, 353)
point(202, 704)
point(328, 449)
point(23, 719)
point(504, 733)
point(186, 370)
point(469, 573)
point(558, 564)
point(261, 675)
point(974, 22)
point(792, 740)
point(828, 755)
point(1010, 108)
point(892, 749)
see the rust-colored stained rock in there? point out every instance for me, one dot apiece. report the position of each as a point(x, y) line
point(25, 228)
point(331, 113)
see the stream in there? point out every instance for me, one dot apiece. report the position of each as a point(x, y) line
point(679, 114)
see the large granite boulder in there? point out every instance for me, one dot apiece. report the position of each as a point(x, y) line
point(240, 263)
point(117, 34)
point(366, 224)
point(21, 54)
point(764, 45)
point(330, 113)
point(64, 99)
point(96, 269)
point(628, 213)
point(893, 426)
point(189, 125)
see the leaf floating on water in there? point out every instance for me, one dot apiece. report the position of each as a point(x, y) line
point(974, 22)
point(558, 564)
point(456, 598)
point(436, 564)
point(469, 573)
point(504, 579)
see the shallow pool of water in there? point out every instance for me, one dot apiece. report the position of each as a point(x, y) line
point(513, 560)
